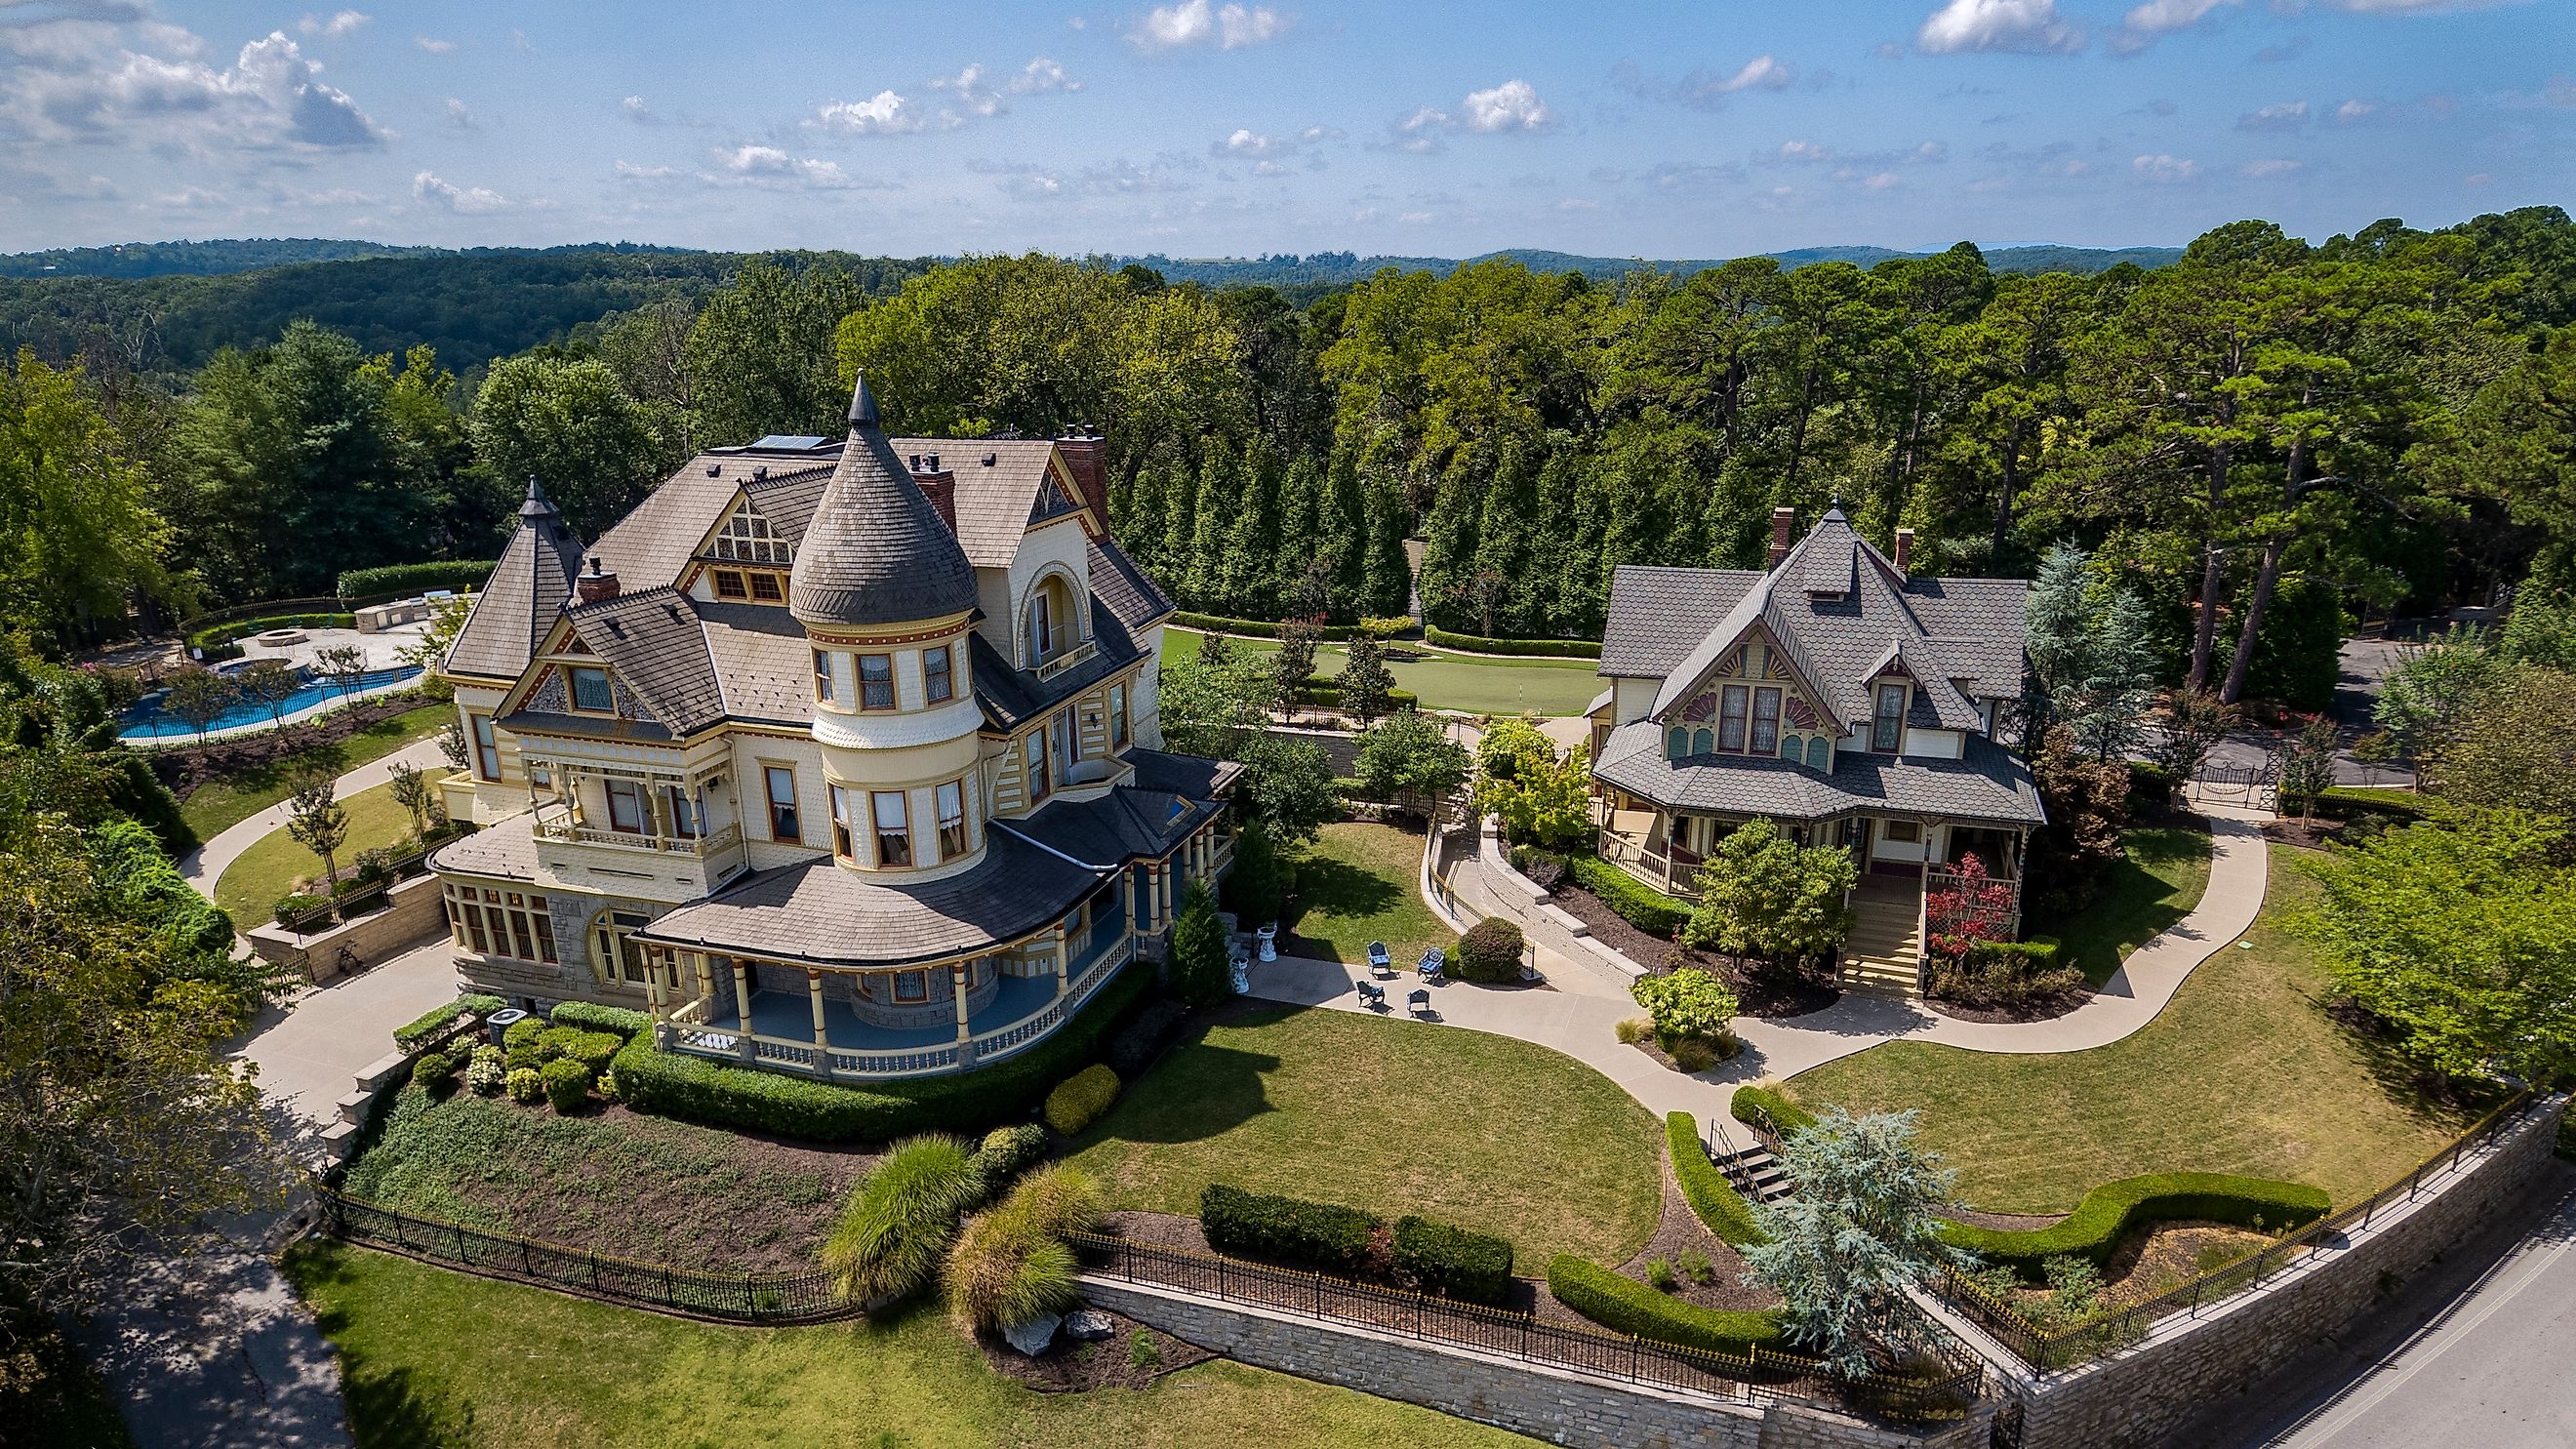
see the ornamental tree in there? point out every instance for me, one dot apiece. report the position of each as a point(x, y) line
point(1686, 1003)
point(320, 824)
point(1976, 908)
point(1863, 1226)
point(1201, 968)
point(1764, 895)
point(1365, 682)
point(1409, 754)
point(1541, 800)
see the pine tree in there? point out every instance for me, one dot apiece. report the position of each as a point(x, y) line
point(1299, 546)
point(1248, 570)
point(1201, 968)
point(1136, 513)
point(1180, 529)
point(1342, 536)
point(1220, 494)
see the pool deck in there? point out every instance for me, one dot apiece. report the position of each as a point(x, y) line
point(383, 650)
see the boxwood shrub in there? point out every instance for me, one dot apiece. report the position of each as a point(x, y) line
point(590, 1016)
point(426, 1027)
point(567, 1083)
point(1644, 907)
point(1627, 1306)
point(2108, 1211)
point(1556, 648)
point(1078, 1100)
point(2035, 955)
point(1705, 1188)
point(1786, 1115)
point(1440, 1258)
point(1490, 952)
point(701, 1089)
point(1287, 1229)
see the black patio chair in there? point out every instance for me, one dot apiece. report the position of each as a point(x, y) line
point(1419, 1002)
point(1373, 996)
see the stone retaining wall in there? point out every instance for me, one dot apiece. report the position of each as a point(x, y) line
point(2143, 1394)
point(413, 913)
point(1555, 1405)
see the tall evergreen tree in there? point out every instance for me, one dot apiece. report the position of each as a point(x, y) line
point(1388, 569)
point(1342, 535)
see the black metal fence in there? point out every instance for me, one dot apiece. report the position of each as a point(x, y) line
point(358, 900)
point(2044, 1348)
point(739, 1297)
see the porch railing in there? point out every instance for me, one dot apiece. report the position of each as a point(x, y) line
point(1656, 868)
point(564, 828)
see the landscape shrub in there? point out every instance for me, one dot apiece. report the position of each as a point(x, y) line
point(1012, 1264)
point(1287, 1229)
point(2352, 802)
point(1439, 1258)
point(521, 1035)
point(520, 1056)
point(1624, 1305)
point(1659, 1275)
point(2152, 784)
point(590, 1016)
point(555, 1042)
point(567, 1083)
point(1786, 1116)
point(1545, 868)
point(526, 1086)
point(896, 1227)
point(427, 1026)
point(293, 904)
point(1079, 1100)
point(2095, 1227)
point(1705, 1188)
point(1006, 1152)
point(1251, 628)
point(432, 1069)
point(1686, 1003)
point(697, 1089)
point(2005, 973)
point(1633, 1030)
point(1325, 691)
point(1490, 952)
point(487, 1073)
point(401, 581)
point(1556, 648)
point(1649, 910)
point(594, 1049)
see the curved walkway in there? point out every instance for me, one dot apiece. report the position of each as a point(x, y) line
point(1581, 1015)
point(204, 866)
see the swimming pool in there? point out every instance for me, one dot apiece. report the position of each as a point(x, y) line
point(147, 721)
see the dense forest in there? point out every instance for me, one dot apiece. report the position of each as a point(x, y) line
point(2259, 440)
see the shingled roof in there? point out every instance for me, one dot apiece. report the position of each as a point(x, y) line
point(997, 489)
point(1987, 784)
point(527, 590)
point(876, 551)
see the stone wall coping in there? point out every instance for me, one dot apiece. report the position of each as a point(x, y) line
point(1565, 920)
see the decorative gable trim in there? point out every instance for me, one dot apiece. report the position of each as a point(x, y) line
point(1730, 666)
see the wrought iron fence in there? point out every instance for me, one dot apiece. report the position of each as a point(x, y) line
point(740, 1297)
point(2044, 1348)
point(360, 899)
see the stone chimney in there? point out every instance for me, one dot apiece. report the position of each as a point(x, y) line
point(1086, 457)
point(1904, 550)
point(595, 584)
point(1784, 521)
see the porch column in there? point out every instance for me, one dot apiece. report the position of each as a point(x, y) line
point(655, 962)
point(965, 1033)
point(1127, 898)
point(660, 801)
point(1168, 893)
point(1063, 964)
point(742, 1008)
point(822, 1042)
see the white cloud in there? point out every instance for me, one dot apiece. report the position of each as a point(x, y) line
point(1196, 24)
point(2560, 92)
point(2029, 26)
point(2164, 168)
point(884, 113)
point(1805, 151)
point(1512, 106)
point(189, 198)
point(634, 109)
point(2281, 116)
point(2148, 23)
point(768, 166)
point(459, 116)
point(1042, 76)
point(331, 27)
point(629, 171)
point(1881, 180)
point(2268, 169)
point(144, 85)
point(1578, 203)
point(430, 189)
point(2355, 110)
point(1414, 218)
point(973, 96)
point(1248, 142)
point(433, 44)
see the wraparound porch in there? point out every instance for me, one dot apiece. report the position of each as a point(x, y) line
point(1663, 848)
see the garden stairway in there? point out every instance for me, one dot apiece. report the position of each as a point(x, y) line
point(1753, 1172)
point(1880, 956)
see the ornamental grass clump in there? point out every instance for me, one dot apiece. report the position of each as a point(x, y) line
point(1012, 1264)
point(898, 1225)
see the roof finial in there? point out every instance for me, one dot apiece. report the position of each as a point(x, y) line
point(536, 505)
point(863, 405)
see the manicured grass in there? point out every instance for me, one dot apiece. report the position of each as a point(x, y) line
point(1395, 1117)
point(1451, 681)
point(2154, 885)
point(213, 807)
point(250, 886)
point(1356, 885)
point(2244, 1072)
point(439, 1360)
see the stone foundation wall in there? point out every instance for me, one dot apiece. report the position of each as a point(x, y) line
point(1557, 1406)
point(414, 913)
point(2142, 1395)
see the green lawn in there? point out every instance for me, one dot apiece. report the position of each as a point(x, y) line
point(1356, 885)
point(1395, 1117)
point(1449, 681)
point(250, 886)
point(213, 807)
point(439, 1360)
point(2154, 885)
point(2243, 1072)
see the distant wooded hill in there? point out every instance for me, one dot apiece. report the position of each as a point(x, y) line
point(1331, 268)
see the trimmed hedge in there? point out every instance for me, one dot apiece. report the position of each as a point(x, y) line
point(1705, 1188)
point(2039, 953)
point(1540, 648)
point(2108, 1211)
point(401, 581)
point(1786, 1115)
point(2348, 802)
point(590, 1016)
point(566, 1083)
point(1644, 907)
point(1490, 952)
point(1078, 1100)
point(219, 634)
point(699, 1089)
point(1320, 689)
point(1266, 1225)
point(430, 1023)
point(1453, 1261)
point(1252, 628)
point(1627, 1306)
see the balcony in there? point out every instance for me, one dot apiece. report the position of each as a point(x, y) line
point(1076, 654)
point(563, 826)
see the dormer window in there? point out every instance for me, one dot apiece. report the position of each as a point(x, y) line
point(1766, 721)
point(590, 692)
point(729, 584)
point(765, 589)
point(1887, 719)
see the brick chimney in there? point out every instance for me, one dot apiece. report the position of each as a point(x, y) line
point(1904, 550)
point(1086, 457)
point(940, 487)
point(595, 584)
point(1784, 521)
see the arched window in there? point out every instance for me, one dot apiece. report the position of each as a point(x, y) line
point(1703, 743)
point(1789, 748)
point(613, 952)
point(1820, 753)
point(1677, 744)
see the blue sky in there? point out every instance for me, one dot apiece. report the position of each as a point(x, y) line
point(1202, 128)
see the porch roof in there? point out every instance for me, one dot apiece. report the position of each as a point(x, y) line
point(1988, 785)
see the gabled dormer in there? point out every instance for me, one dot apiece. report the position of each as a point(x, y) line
point(746, 558)
point(1753, 700)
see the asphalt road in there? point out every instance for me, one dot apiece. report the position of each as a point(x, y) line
point(2365, 662)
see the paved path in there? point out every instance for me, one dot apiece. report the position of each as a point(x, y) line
point(1581, 1016)
point(204, 866)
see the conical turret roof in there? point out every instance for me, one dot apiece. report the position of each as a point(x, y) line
point(876, 551)
point(527, 589)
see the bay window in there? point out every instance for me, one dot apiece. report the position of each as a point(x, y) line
point(876, 681)
point(894, 828)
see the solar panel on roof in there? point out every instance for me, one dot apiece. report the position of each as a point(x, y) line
point(797, 442)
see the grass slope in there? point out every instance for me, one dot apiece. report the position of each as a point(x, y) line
point(212, 808)
point(439, 1360)
point(1393, 1116)
point(250, 886)
point(1452, 681)
point(2154, 885)
point(1354, 886)
point(2244, 1072)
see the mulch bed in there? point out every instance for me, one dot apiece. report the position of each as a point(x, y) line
point(1767, 994)
point(1105, 1363)
point(2043, 1008)
point(1681, 1232)
point(185, 768)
